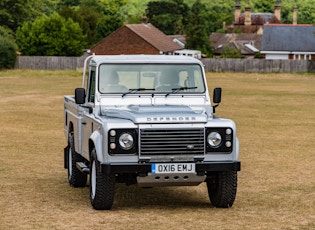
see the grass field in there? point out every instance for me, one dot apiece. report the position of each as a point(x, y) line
point(275, 116)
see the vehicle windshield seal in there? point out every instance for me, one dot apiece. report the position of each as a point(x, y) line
point(151, 78)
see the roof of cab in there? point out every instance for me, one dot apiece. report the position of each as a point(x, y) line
point(99, 59)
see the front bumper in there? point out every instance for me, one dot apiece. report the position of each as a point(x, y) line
point(145, 168)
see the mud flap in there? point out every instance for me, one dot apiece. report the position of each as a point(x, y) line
point(65, 157)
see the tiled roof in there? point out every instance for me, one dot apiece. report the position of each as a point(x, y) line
point(237, 41)
point(154, 36)
point(298, 38)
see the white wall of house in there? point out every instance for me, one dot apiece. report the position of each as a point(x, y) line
point(285, 55)
point(277, 56)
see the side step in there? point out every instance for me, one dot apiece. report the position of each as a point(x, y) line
point(83, 168)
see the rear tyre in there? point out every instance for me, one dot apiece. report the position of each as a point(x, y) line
point(222, 189)
point(75, 177)
point(102, 186)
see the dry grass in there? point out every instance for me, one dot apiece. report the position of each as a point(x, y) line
point(275, 118)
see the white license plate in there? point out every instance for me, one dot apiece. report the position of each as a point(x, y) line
point(173, 168)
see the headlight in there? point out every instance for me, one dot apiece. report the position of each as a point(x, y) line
point(126, 141)
point(122, 141)
point(214, 139)
point(219, 140)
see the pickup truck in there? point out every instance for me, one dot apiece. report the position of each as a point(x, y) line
point(148, 120)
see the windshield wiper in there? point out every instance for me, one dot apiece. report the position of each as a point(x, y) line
point(176, 90)
point(136, 90)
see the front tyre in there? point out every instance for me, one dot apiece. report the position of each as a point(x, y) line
point(102, 186)
point(75, 177)
point(222, 187)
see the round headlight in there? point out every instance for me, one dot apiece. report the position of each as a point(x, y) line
point(126, 141)
point(214, 139)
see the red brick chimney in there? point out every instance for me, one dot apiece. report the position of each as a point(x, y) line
point(248, 20)
point(237, 11)
point(144, 19)
point(295, 9)
point(278, 10)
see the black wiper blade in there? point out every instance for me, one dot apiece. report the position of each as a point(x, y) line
point(136, 90)
point(176, 90)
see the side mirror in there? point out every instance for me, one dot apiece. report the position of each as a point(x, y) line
point(79, 96)
point(217, 95)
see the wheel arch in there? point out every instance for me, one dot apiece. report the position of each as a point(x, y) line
point(95, 141)
point(237, 148)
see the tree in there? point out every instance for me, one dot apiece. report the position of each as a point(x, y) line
point(69, 2)
point(264, 6)
point(217, 13)
point(107, 25)
point(196, 33)
point(111, 19)
point(8, 49)
point(87, 18)
point(132, 11)
point(51, 36)
point(14, 12)
point(170, 16)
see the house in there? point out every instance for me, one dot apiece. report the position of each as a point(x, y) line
point(249, 27)
point(141, 38)
point(252, 26)
point(250, 22)
point(247, 44)
point(288, 41)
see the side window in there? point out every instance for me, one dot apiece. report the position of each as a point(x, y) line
point(91, 90)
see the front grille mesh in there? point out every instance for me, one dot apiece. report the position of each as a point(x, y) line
point(171, 142)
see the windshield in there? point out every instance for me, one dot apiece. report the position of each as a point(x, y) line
point(151, 78)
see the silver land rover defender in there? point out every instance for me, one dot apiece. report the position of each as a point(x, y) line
point(148, 120)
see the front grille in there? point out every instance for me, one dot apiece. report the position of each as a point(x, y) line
point(172, 142)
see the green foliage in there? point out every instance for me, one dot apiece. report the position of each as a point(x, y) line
point(107, 25)
point(111, 19)
point(87, 18)
point(222, 31)
point(229, 52)
point(96, 5)
point(264, 6)
point(69, 2)
point(8, 49)
point(197, 37)
point(258, 55)
point(5, 32)
point(42, 7)
point(111, 7)
point(216, 13)
point(99, 18)
point(170, 16)
point(132, 11)
point(51, 36)
point(14, 12)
